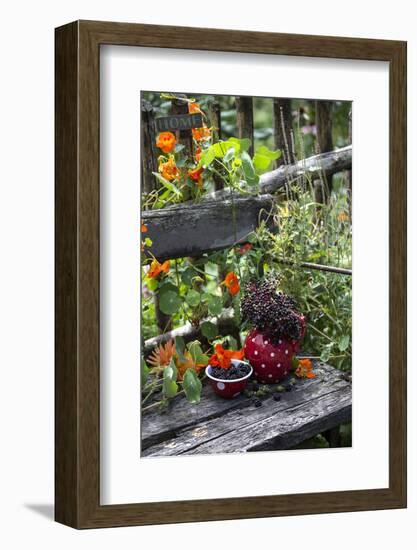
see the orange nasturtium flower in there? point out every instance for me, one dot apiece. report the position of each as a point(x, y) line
point(168, 169)
point(195, 175)
point(194, 108)
point(198, 154)
point(304, 369)
point(223, 357)
point(166, 141)
point(231, 281)
point(157, 268)
point(201, 133)
point(144, 228)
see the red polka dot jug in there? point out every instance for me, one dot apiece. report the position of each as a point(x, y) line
point(271, 362)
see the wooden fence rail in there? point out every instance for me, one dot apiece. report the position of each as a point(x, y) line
point(221, 220)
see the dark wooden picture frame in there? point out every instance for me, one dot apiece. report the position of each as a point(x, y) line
point(77, 374)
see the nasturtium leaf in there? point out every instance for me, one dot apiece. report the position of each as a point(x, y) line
point(169, 302)
point(207, 157)
point(243, 143)
point(215, 305)
point(221, 147)
point(167, 184)
point(230, 153)
point(209, 330)
point(167, 286)
point(192, 386)
point(152, 284)
point(205, 297)
point(232, 342)
point(192, 298)
point(248, 170)
point(263, 158)
point(169, 382)
point(344, 342)
point(180, 347)
point(187, 276)
point(325, 355)
point(148, 242)
point(197, 355)
point(144, 371)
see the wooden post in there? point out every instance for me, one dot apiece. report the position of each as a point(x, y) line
point(244, 120)
point(283, 138)
point(148, 151)
point(184, 137)
point(214, 115)
point(324, 122)
point(349, 173)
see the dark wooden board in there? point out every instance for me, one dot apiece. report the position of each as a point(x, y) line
point(192, 229)
point(219, 425)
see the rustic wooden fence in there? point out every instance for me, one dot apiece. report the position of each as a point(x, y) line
point(192, 229)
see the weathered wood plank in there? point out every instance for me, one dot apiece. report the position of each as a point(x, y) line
point(282, 429)
point(270, 182)
point(187, 427)
point(192, 229)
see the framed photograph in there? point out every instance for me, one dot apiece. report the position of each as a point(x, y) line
point(230, 274)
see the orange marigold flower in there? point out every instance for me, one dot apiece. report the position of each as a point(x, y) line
point(196, 175)
point(144, 228)
point(223, 357)
point(168, 169)
point(162, 354)
point(304, 369)
point(231, 281)
point(194, 108)
point(166, 141)
point(157, 268)
point(201, 133)
point(198, 154)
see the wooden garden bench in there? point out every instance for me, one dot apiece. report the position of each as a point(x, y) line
point(218, 425)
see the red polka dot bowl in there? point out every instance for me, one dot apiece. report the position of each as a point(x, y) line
point(271, 362)
point(229, 388)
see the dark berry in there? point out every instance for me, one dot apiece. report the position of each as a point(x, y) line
point(272, 313)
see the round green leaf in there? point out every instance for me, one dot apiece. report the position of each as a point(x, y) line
point(169, 302)
point(187, 276)
point(215, 305)
point(209, 330)
point(192, 298)
point(167, 287)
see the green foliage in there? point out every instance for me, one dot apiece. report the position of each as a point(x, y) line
point(209, 330)
point(192, 386)
point(264, 157)
point(169, 385)
point(169, 302)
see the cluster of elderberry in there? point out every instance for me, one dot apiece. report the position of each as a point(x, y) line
point(272, 313)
